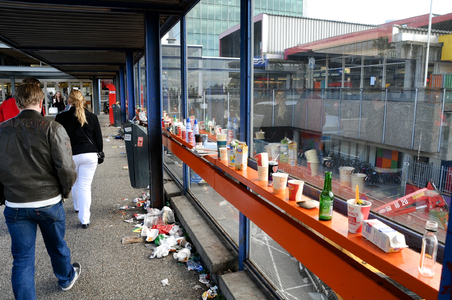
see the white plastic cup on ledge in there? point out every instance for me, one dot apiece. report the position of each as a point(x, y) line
point(223, 154)
point(279, 183)
point(262, 166)
point(221, 142)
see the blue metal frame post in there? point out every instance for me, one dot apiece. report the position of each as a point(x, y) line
point(130, 86)
point(445, 288)
point(184, 91)
point(246, 73)
point(154, 105)
point(96, 90)
point(122, 93)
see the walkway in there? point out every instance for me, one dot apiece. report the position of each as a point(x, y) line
point(110, 270)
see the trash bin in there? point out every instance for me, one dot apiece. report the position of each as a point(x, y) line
point(136, 140)
point(116, 115)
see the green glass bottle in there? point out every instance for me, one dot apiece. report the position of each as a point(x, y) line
point(326, 199)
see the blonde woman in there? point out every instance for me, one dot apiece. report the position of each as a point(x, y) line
point(84, 131)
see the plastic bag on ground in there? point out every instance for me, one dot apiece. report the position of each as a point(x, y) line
point(168, 215)
point(160, 251)
point(182, 255)
point(211, 293)
point(204, 278)
point(153, 217)
point(192, 265)
point(150, 234)
point(176, 231)
point(159, 239)
point(165, 282)
point(163, 229)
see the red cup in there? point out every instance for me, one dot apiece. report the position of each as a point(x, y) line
point(357, 214)
point(295, 189)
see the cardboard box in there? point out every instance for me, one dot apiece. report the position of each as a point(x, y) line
point(383, 236)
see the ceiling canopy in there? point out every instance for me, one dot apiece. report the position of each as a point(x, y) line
point(84, 39)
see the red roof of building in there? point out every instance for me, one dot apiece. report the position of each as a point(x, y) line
point(383, 30)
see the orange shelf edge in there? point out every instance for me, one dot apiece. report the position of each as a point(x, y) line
point(402, 267)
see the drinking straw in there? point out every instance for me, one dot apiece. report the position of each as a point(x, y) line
point(357, 194)
point(358, 201)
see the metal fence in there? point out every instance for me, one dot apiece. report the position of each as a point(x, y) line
point(419, 173)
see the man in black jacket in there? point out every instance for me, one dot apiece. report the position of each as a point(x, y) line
point(36, 174)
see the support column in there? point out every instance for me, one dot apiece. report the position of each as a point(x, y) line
point(13, 85)
point(96, 91)
point(246, 76)
point(122, 93)
point(95, 102)
point(130, 86)
point(154, 104)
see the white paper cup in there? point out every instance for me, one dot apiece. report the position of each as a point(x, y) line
point(313, 167)
point(295, 189)
point(260, 135)
point(356, 215)
point(221, 137)
point(223, 154)
point(262, 173)
point(279, 183)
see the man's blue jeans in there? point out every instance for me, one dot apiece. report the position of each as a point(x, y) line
point(22, 224)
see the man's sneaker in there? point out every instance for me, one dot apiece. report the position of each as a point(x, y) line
point(78, 270)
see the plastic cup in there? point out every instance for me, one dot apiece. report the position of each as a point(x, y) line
point(221, 142)
point(223, 154)
point(279, 183)
point(221, 137)
point(357, 214)
point(295, 189)
point(262, 166)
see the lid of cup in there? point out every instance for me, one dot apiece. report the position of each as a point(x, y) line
point(431, 225)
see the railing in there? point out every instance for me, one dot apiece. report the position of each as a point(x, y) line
point(419, 173)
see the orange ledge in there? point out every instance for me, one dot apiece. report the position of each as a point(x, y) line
point(350, 279)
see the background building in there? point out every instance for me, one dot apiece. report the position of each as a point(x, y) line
point(209, 18)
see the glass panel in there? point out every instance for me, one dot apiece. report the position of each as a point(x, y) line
point(357, 101)
point(225, 214)
point(142, 92)
point(174, 164)
point(171, 90)
point(289, 277)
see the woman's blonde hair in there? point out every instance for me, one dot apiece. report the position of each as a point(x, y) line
point(77, 100)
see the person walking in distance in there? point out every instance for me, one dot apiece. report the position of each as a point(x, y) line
point(84, 131)
point(58, 102)
point(36, 175)
point(9, 108)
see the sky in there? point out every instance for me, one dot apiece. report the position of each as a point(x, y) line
point(374, 12)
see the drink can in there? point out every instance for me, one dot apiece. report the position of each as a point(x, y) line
point(272, 168)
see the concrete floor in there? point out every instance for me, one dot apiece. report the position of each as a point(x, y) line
point(110, 270)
